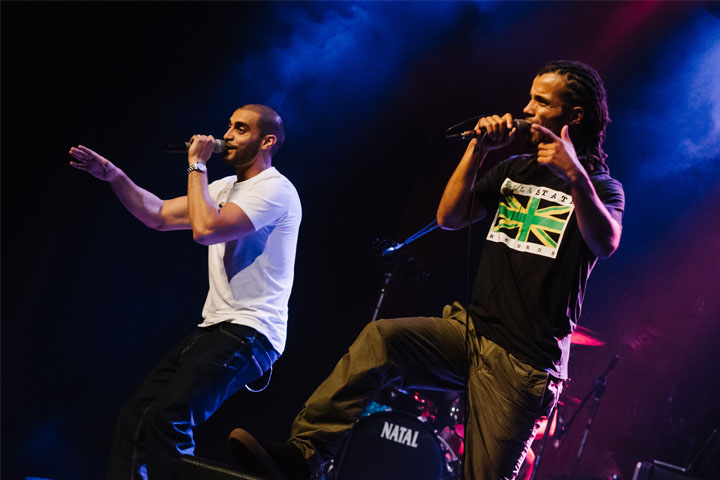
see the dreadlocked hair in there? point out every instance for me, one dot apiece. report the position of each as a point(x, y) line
point(584, 88)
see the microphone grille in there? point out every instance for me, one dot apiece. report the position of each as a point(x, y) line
point(523, 127)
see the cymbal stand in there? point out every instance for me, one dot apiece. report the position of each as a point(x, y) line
point(596, 392)
point(539, 452)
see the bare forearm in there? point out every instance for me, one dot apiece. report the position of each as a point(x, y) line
point(202, 210)
point(598, 228)
point(210, 223)
point(453, 211)
point(144, 205)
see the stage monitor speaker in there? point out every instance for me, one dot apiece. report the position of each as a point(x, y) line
point(194, 468)
point(651, 471)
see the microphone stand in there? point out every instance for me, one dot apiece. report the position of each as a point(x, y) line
point(381, 298)
point(393, 250)
point(597, 391)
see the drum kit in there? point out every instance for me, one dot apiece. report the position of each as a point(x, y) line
point(403, 434)
point(397, 436)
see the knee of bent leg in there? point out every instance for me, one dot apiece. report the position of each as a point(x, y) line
point(370, 339)
point(381, 334)
point(373, 333)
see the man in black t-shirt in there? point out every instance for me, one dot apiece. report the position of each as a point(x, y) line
point(556, 211)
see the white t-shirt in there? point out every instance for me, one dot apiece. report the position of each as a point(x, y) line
point(251, 278)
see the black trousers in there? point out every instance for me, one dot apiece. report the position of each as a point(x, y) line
point(154, 428)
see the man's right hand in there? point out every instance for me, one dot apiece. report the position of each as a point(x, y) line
point(96, 165)
point(500, 131)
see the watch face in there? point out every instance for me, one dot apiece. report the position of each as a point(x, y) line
point(200, 167)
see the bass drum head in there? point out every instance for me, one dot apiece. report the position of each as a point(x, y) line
point(389, 446)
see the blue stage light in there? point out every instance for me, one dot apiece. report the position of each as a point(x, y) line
point(681, 122)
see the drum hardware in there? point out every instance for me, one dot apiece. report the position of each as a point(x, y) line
point(596, 392)
point(397, 399)
point(391, 444)
point(581, 336)
point(545, 435)
point(396, 416)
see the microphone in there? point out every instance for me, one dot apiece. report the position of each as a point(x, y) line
point(184, 147)
point(522, 126)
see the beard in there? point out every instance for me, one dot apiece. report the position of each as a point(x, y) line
point(532, 141)
point(242, 155)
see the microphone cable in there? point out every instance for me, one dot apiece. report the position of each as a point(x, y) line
point(468, 292)
point(450, 135)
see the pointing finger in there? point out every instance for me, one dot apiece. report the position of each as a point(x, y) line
point(545, 131)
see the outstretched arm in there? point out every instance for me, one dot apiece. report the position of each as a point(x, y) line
point(598, 228)
point(148, 208)
point(454, 209)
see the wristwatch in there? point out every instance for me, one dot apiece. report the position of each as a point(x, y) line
point(199, 166)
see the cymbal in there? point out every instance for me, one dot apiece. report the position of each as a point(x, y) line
point(585, 336)
point(569, 399)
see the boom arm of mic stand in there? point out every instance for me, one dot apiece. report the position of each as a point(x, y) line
point(420, 233)
point(392, 249)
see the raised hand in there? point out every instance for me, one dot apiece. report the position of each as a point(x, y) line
point(558, 153)
point(201, 148)
point(96, 165)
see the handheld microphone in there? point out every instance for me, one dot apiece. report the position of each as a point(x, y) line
point(522, 126)
point(184, 147)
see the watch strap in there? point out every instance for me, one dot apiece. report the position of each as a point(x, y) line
point(199, 167)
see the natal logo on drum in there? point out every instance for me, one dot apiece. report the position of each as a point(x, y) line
point(399, 434)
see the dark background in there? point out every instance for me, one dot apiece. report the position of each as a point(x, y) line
point(91, 299)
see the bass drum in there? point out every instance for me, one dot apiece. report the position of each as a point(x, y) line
point(394, 445)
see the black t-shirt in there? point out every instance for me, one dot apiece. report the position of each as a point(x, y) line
point(535, 264)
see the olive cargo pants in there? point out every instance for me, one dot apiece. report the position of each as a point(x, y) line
point(506, 396)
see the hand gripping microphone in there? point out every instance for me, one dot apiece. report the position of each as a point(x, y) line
point(522, 126)
point(184, 147)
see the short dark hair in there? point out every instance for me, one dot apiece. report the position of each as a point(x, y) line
point(270, 123)
point(584, 88)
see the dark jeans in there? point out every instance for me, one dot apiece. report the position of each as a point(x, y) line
point(507, 396)
point(154, 428)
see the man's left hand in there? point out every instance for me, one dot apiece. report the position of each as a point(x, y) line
point(201, 148)
point(558, 153)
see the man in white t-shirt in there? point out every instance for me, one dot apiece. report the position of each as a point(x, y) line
point(249, 221)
